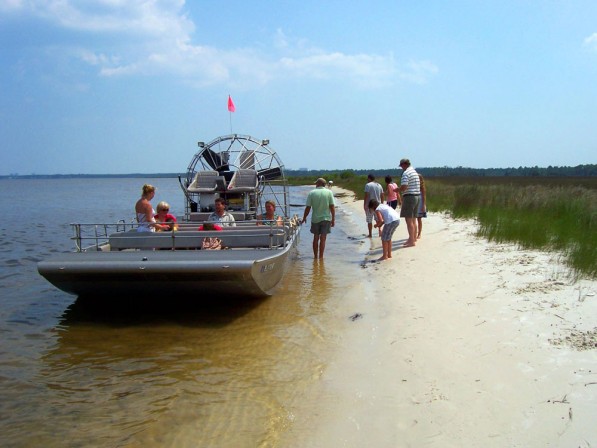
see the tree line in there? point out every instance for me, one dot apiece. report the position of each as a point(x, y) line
point(460, 171)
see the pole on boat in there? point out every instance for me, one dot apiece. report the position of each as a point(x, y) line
point(231, 108)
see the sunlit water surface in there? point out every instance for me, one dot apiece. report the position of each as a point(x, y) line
point(165, 373)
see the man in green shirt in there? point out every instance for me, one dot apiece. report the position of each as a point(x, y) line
point(321, 200)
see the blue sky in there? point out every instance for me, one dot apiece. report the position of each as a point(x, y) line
point(122, 86)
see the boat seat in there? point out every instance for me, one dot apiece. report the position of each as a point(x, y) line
point(260, 237)
point(205, 182)
point(244, 180)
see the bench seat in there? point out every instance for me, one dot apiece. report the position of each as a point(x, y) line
point(256, 237)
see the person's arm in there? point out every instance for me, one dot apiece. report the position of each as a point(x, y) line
point(366, 202)
point(378, 219)
point(307, 211)
point(382, 196)
point(333, 212)
point(424, 197)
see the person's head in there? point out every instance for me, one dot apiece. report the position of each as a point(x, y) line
point(208, 226)
point(163, 207)
point(148, 190)
point(373, 204)
point(404, 163)
point(388, 179)
point(320, 182)
point(270, 207)
point(370, 177)
point(220, 205)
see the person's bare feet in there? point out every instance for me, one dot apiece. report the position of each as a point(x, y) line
point(408, 244)
point(382, 258)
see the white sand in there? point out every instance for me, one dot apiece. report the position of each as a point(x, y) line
point(461, 343)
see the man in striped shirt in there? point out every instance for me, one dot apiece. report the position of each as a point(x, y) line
point(410, 188)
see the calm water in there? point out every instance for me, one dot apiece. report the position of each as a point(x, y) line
point(221, 376)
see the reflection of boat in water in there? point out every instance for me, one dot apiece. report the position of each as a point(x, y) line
point(115, 259)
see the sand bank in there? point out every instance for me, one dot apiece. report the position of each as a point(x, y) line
point(458, 342)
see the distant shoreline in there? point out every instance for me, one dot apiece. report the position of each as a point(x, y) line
point(589, 170)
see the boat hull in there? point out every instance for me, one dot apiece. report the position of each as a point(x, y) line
point(194, 274)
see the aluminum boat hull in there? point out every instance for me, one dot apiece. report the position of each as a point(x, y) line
point(196, 274)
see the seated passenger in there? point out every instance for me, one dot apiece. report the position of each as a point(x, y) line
point(221, 216)
point(270, 218)
point(164, 220)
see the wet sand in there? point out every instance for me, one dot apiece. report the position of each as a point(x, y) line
point(456, 342)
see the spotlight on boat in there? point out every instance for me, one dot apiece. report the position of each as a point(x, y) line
point(265, 142)
point(201, 144)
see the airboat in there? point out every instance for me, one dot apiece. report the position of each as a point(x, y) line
point(114, 259)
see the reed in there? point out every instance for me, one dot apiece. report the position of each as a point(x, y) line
point(547, 217)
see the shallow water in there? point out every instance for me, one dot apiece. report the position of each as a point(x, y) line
point(163, 372)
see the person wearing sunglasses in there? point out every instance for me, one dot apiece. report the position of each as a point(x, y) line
point(164, 219)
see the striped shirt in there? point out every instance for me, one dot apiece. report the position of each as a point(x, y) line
point(411, 178)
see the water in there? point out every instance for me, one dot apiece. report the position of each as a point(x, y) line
point(228, 375)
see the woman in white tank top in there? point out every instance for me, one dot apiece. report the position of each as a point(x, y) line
point(144, 210)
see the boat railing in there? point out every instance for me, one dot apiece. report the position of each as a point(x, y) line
point(122, 235)
point(95, 236)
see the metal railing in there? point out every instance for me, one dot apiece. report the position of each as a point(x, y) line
point(94, 236)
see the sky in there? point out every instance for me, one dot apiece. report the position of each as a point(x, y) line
point(131, 86)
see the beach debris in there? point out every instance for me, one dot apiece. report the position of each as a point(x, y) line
point(355, 316)
point(579, 340)
point(563, 400)
point(540, 287)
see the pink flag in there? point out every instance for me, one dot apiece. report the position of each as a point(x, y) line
point(231, 107)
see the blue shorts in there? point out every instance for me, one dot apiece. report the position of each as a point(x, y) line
point(388, 230)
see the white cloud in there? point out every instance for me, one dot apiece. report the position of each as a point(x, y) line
point(362, 69)
point(419, 72)
point(11, 5)
point(591, 41)
point(162, 44)
point(150, 18)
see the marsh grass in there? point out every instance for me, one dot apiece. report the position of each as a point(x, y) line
point(547, 217)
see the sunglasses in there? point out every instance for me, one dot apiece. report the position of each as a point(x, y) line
point(165, 210)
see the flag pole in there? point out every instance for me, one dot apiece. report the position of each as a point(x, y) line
point(231, 108)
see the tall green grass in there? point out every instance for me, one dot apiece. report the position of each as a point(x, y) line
point(558, 218)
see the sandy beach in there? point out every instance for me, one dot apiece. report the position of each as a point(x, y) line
point(457, 342)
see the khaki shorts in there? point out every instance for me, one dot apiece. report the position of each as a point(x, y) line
point(410, 206)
